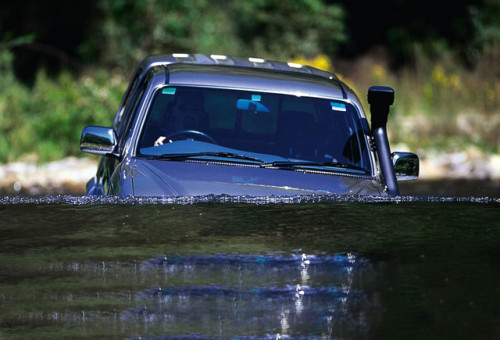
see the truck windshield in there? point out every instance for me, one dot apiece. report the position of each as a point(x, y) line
point(263, 126)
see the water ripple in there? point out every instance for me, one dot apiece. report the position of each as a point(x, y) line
point(184, 200)
point(225, 259)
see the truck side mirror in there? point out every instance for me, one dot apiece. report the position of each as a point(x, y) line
point(406, 165)
point(98, 140)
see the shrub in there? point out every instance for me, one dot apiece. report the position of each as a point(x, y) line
point(47, 119)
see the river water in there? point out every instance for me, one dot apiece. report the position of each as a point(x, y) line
point(329, 267)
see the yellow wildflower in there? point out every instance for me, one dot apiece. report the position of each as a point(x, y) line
point(320, 61)
point(379, 72)
point(438, 76)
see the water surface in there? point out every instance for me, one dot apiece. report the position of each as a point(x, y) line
point(329, 267)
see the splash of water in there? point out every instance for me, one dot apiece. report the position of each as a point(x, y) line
point(183, 200)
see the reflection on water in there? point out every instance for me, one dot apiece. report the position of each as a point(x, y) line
point(299, 296)
point(220, 295)
point(222, 267)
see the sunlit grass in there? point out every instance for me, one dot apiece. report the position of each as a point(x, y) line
point(439, 105)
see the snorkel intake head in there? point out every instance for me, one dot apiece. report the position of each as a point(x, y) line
point(380, 99)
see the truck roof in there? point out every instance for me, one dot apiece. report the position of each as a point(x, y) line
point(252, 79)
point(246, 73)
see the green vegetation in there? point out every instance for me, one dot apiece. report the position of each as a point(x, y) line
point(446, 75)
point(45, 121)
point(449, 108)
point(265, 28)
point(439, 104)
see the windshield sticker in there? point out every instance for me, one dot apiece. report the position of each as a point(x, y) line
point(168, 90)
point(338, 106)
point(256, 97)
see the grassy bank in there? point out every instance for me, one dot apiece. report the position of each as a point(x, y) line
point(439, 106)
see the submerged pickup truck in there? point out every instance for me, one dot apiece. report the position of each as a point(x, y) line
point(192, 125)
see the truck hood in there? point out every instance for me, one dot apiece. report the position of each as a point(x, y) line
point(174, 178)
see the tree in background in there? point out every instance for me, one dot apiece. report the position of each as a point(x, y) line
point(117, 33)
point(285, 29)
point(130, 30)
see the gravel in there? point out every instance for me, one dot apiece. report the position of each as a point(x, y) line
point(66, 176)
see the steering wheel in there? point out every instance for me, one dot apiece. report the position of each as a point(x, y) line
point(192, 132)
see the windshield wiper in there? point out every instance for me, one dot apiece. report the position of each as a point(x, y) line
point(183, 156)
point(237, 156)
point(288, 164)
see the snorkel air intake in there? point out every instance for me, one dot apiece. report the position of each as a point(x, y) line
point(380, 99)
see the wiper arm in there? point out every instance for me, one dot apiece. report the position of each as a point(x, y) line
point(182, 156)
point(233, 155)
point(286, 164)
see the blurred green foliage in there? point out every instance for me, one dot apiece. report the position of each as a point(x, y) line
point(447, 86)
point(45, 121)
point(283, 29)
point(264, 28)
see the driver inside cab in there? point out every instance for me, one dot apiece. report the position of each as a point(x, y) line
point(185, 113)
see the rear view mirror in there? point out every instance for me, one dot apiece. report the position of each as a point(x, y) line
point(98, 140)
point(406, 165)
point(251, 105)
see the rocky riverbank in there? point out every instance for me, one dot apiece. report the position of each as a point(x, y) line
point(66, 176)
point(468, 164)
point(69, 175)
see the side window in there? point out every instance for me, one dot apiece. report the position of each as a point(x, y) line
point(355, 148)
point(125, 102)
point(130, 112)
